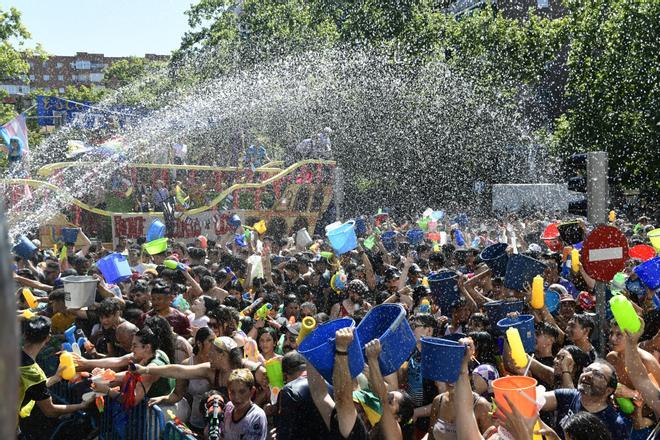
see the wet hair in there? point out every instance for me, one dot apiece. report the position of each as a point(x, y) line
point(147, 336)
point(231, 301)
point(242, 375)
point(271, 331)
point(201, 336)
point(406, 409)
point(108, 307)
point(35, 330)
point(159, 286)
point(485, 346)
point(291, 299)
point(585, 321)
point(586, 426)
point(481, 318)
point(545, 328)
point(613, 381)
point(196, 253)
point(210, 303)
point(207, 282)
point(309, 305)
point(163, 332)
point(273, 299)
point(246, 324)
point(424, 320)
point(580, 358)
point(57, 295)
point(321, 317)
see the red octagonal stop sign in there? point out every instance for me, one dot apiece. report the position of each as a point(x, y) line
point(604, 253)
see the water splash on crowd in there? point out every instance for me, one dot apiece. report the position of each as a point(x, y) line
point(405, 138)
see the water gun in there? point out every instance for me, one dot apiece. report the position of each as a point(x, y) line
point(264, 310)
point(250, 309)
point(175, 265)
point(517, 349)
point(30, 299)
point(308, 324)
point(66, 361)
point(537, 301)
point(177, 421)
point(338, 281)
point(458, 236)
point(625, 405)
point(215, 406)
point(275, 377)
point(27, 314)
point(251, 350)
point(70, 334)
point(425, 306)
point(181, 303)
point(230, 272)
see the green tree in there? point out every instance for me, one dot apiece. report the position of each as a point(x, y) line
point(125, 71)
point(613, 87)
point(13, 54)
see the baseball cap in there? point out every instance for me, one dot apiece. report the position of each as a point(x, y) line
point(292, 362)
point(224, 343)
point(294, 328)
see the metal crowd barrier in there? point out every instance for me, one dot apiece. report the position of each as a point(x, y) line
point(141, 422)
point(173, 432)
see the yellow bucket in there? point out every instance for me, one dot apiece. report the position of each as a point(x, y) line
point(654, 236)
point(260, 227)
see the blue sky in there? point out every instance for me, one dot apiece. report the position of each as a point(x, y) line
point(111, 27)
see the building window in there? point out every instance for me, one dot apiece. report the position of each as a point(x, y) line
point(45, 64)
point(47, 89)
point(46, 77)
point(543, 3)
point(59, 65)
point(31, 77)
point(96, 77)
point(61, 89)
point(31, 65)
point(60, 77)
point(80, 64)
point(74, 77)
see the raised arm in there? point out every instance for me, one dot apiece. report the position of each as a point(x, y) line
point(638, 373)
point(113, 363)
point(389, 427)
point(177, 371)
point(466, 422)
point(341, 379)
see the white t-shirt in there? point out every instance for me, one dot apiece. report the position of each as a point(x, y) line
point(253, 425)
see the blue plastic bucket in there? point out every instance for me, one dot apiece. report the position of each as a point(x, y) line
point(388, 323)
point(24, 248)
point(441, 359)
point(319, 348)
point(389, 240)
point(343, 238)
point(454, 336)
point(497, 310)
point(551, 299)
point(521, 270)
point(114, 268)
point(649, 273)
point(444, 287)
point(496, 258)
point(525, 326)
point(70, 235)
point(156, 230)
point(360, 227)
point(415, 236)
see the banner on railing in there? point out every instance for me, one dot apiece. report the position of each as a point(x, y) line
point(214, 225)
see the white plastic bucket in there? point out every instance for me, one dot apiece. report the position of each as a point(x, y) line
point(80, 291)
point(303, 239)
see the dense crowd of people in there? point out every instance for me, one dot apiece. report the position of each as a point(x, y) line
point(189, 331)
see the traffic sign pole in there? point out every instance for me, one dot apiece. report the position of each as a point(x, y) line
point(603, 254)
point(598, 193)
point(601, 312)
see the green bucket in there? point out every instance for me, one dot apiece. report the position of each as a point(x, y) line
point(156, 247)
